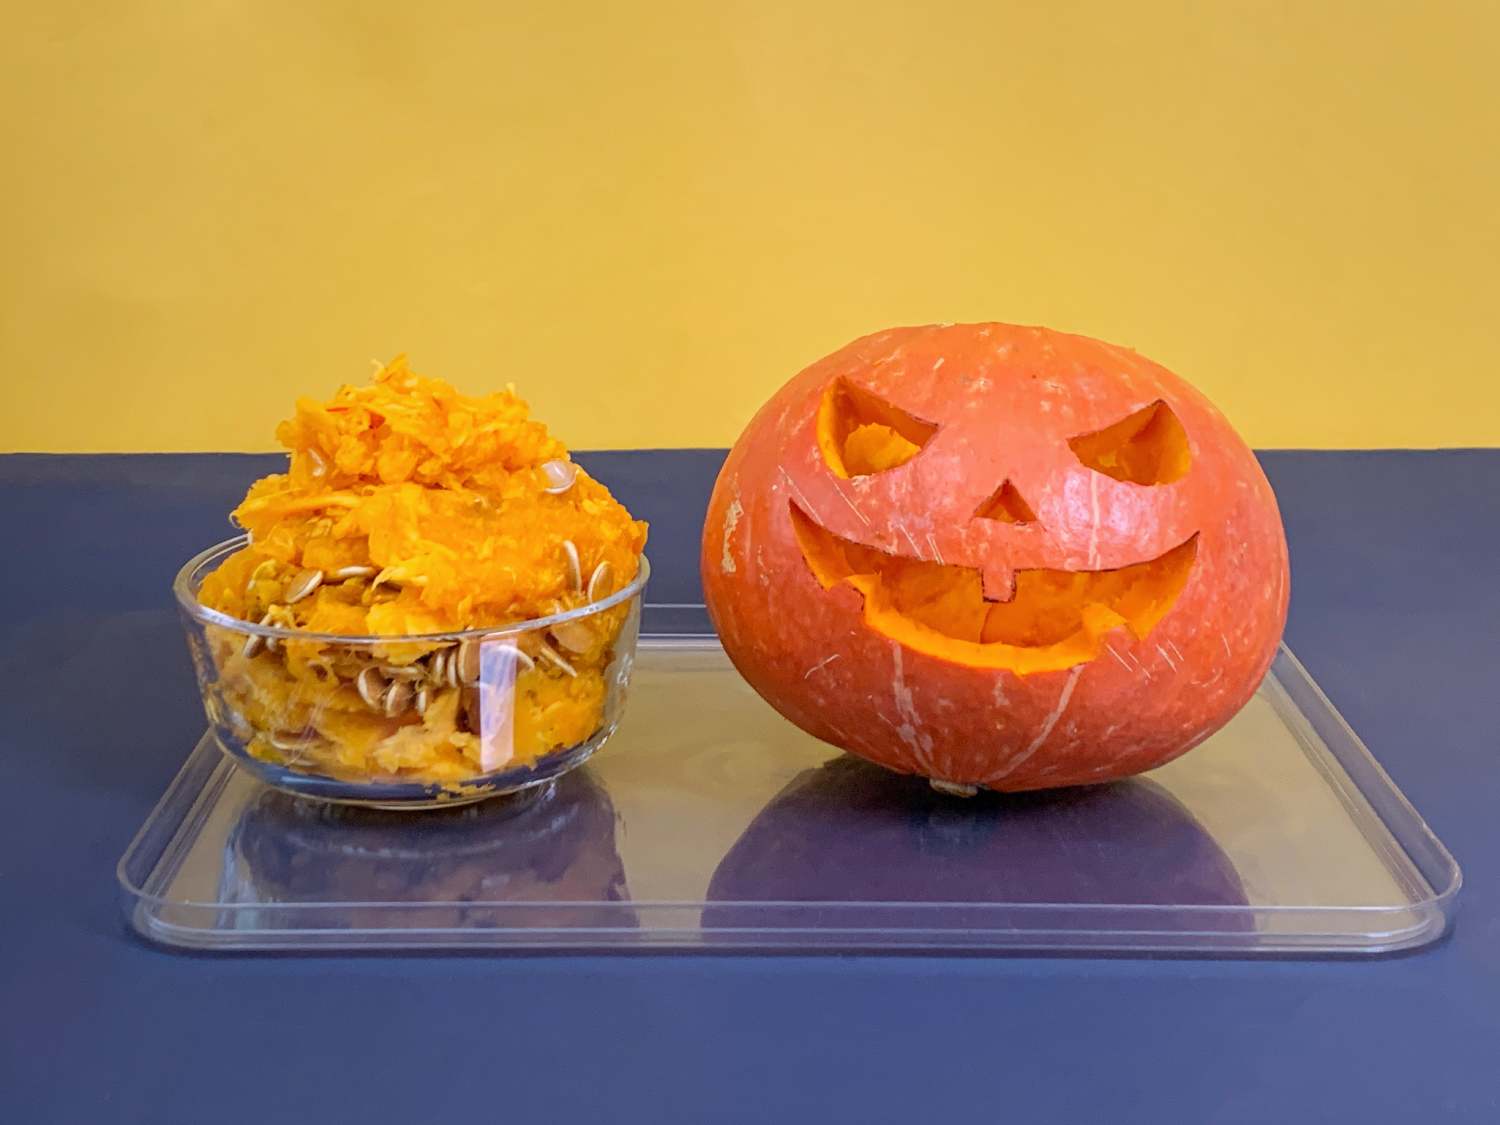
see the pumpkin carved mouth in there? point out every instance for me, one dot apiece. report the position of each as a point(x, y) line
point(1054, 619)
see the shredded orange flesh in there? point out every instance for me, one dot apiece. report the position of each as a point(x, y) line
point(409, 475)
point(441, 503)
point(873, 448)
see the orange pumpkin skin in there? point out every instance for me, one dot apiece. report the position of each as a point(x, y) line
point(999, 405)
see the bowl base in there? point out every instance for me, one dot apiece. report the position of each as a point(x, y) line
point(521, 795)
point(527, 780)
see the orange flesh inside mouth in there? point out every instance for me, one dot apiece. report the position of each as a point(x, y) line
point(1055, 620)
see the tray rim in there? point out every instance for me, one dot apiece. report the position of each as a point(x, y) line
point(1408, 848)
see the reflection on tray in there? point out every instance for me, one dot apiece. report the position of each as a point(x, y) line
point(543, 847)
point(851, 832)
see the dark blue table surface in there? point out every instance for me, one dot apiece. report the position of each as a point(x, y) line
point(1395, 610)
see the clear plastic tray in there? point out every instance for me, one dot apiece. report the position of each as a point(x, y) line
point(709, 823)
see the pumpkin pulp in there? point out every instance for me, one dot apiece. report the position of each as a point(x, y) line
point(1054, 620)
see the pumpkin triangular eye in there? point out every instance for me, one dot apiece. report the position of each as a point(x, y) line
point(861, 433)
point(1007, 505)
point(1148, 447)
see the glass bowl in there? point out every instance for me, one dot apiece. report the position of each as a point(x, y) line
point(419, 721)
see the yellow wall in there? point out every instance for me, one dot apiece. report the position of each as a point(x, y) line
point(650, 215)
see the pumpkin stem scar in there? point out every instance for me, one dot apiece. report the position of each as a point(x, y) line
point(1054, 619)
point(953, 788)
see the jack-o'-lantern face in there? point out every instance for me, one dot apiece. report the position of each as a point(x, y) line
point(1049, 618)
point(996, 555)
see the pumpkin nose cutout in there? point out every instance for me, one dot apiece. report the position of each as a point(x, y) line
point(1007, 505)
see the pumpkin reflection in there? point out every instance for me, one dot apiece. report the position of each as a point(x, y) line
point(851, 832)
point(541, 848)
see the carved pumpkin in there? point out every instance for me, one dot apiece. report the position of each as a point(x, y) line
point(996, 556)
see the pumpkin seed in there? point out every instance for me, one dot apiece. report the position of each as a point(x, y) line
point(575, 568)
point(371, 685)
point(264, 567)
point(253, 644)
point(601, 582)
point(560, 476)
point(552, 656)
point(467, 659)
point(293, 742)
point(524, 662)
point(303, 583)
point(403, 671)
point(396, 576)
point(269, 642)
point(238, 723)
point(437, 666)
point(419, 700)
point(346, 572)
point(317, 466)
point(321, 669)
point(574, 636)
point(397, 699)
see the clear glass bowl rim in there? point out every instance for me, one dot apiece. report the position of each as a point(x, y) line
point(185, 589)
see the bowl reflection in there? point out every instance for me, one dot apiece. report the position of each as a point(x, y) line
point(550, 850)
point(851, 832)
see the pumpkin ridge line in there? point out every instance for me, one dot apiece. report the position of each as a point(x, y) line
point(1048, 726)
